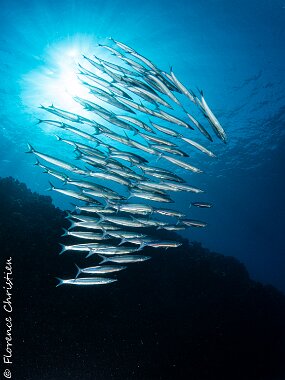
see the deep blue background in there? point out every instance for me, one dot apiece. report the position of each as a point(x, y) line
point(234, 50)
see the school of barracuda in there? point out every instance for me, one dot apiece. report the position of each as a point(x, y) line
point(141, 97)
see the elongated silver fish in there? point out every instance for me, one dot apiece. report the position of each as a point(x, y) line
point(198, 146)
point(55, 161)
point(173, 227)
point(110, 99)
point(160, 244)
point(181, 87)
point(168, 212)
point(156, 139)
point(112, 177)
point(193, 223)
point(85, 281)
point(150, 96)
point(87, 235)
point(93, 226)
point(61, 176)
point(128, 222)
point(95, 209)
point(100, 269)
point(125, 259)
point(112, 50)
point(202, 204)
point(170, 150)
point(165, 130)
point(133, 208)
point(163, 88)
point(103, 194)
point(118, 68)
point(125, 234)
point(64, 114)
point(182, 164)
point(112, 251)
point(218, 129)
point(172, 119)
point(151, 196)
point(135, 121)
point(183, 187)
point(73, 194)
point(199, 126)
point(79, 247)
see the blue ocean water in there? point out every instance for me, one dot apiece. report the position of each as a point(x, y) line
point(234, 51)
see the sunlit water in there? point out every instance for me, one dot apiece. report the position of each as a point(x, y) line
point(234, 51)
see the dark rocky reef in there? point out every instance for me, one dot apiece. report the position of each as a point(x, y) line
point(186, 314)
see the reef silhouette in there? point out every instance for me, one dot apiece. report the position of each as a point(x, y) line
point(190, 314)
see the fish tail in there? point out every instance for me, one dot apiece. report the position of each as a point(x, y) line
point(142, 245)
point(61, 281)
point(72, 225)
point(122, 241)
point(51, 186)
point(159, 157)
point(200, 91)
point(73, 204)
point(101, 218)
point(104, 232)
point(79, 154)
point(65, 233)
point(63, 249)
point(58, 138)
point(138, 166)
point(105, 259)
point(31, 149)
point(90, 253)
point(69, 215)
point(37, 163)
point(78, 271)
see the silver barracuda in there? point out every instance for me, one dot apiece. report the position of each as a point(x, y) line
point(100, 269)
point(218, 129)
point(193, 223)
point(86, 235)
point(163, 88)
point(156, 139)
point(55, 161)
point(151, 196)
point(182, 164)
point(199, 126)
point(165, 130)
point(181, 87)
point(135, 121)
point(124, 259)
point(73, 194)
point(202, 204)
point(64, 114)
point(93, 226)
point(85, 281)
point(79, 247)
point(198, 146)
